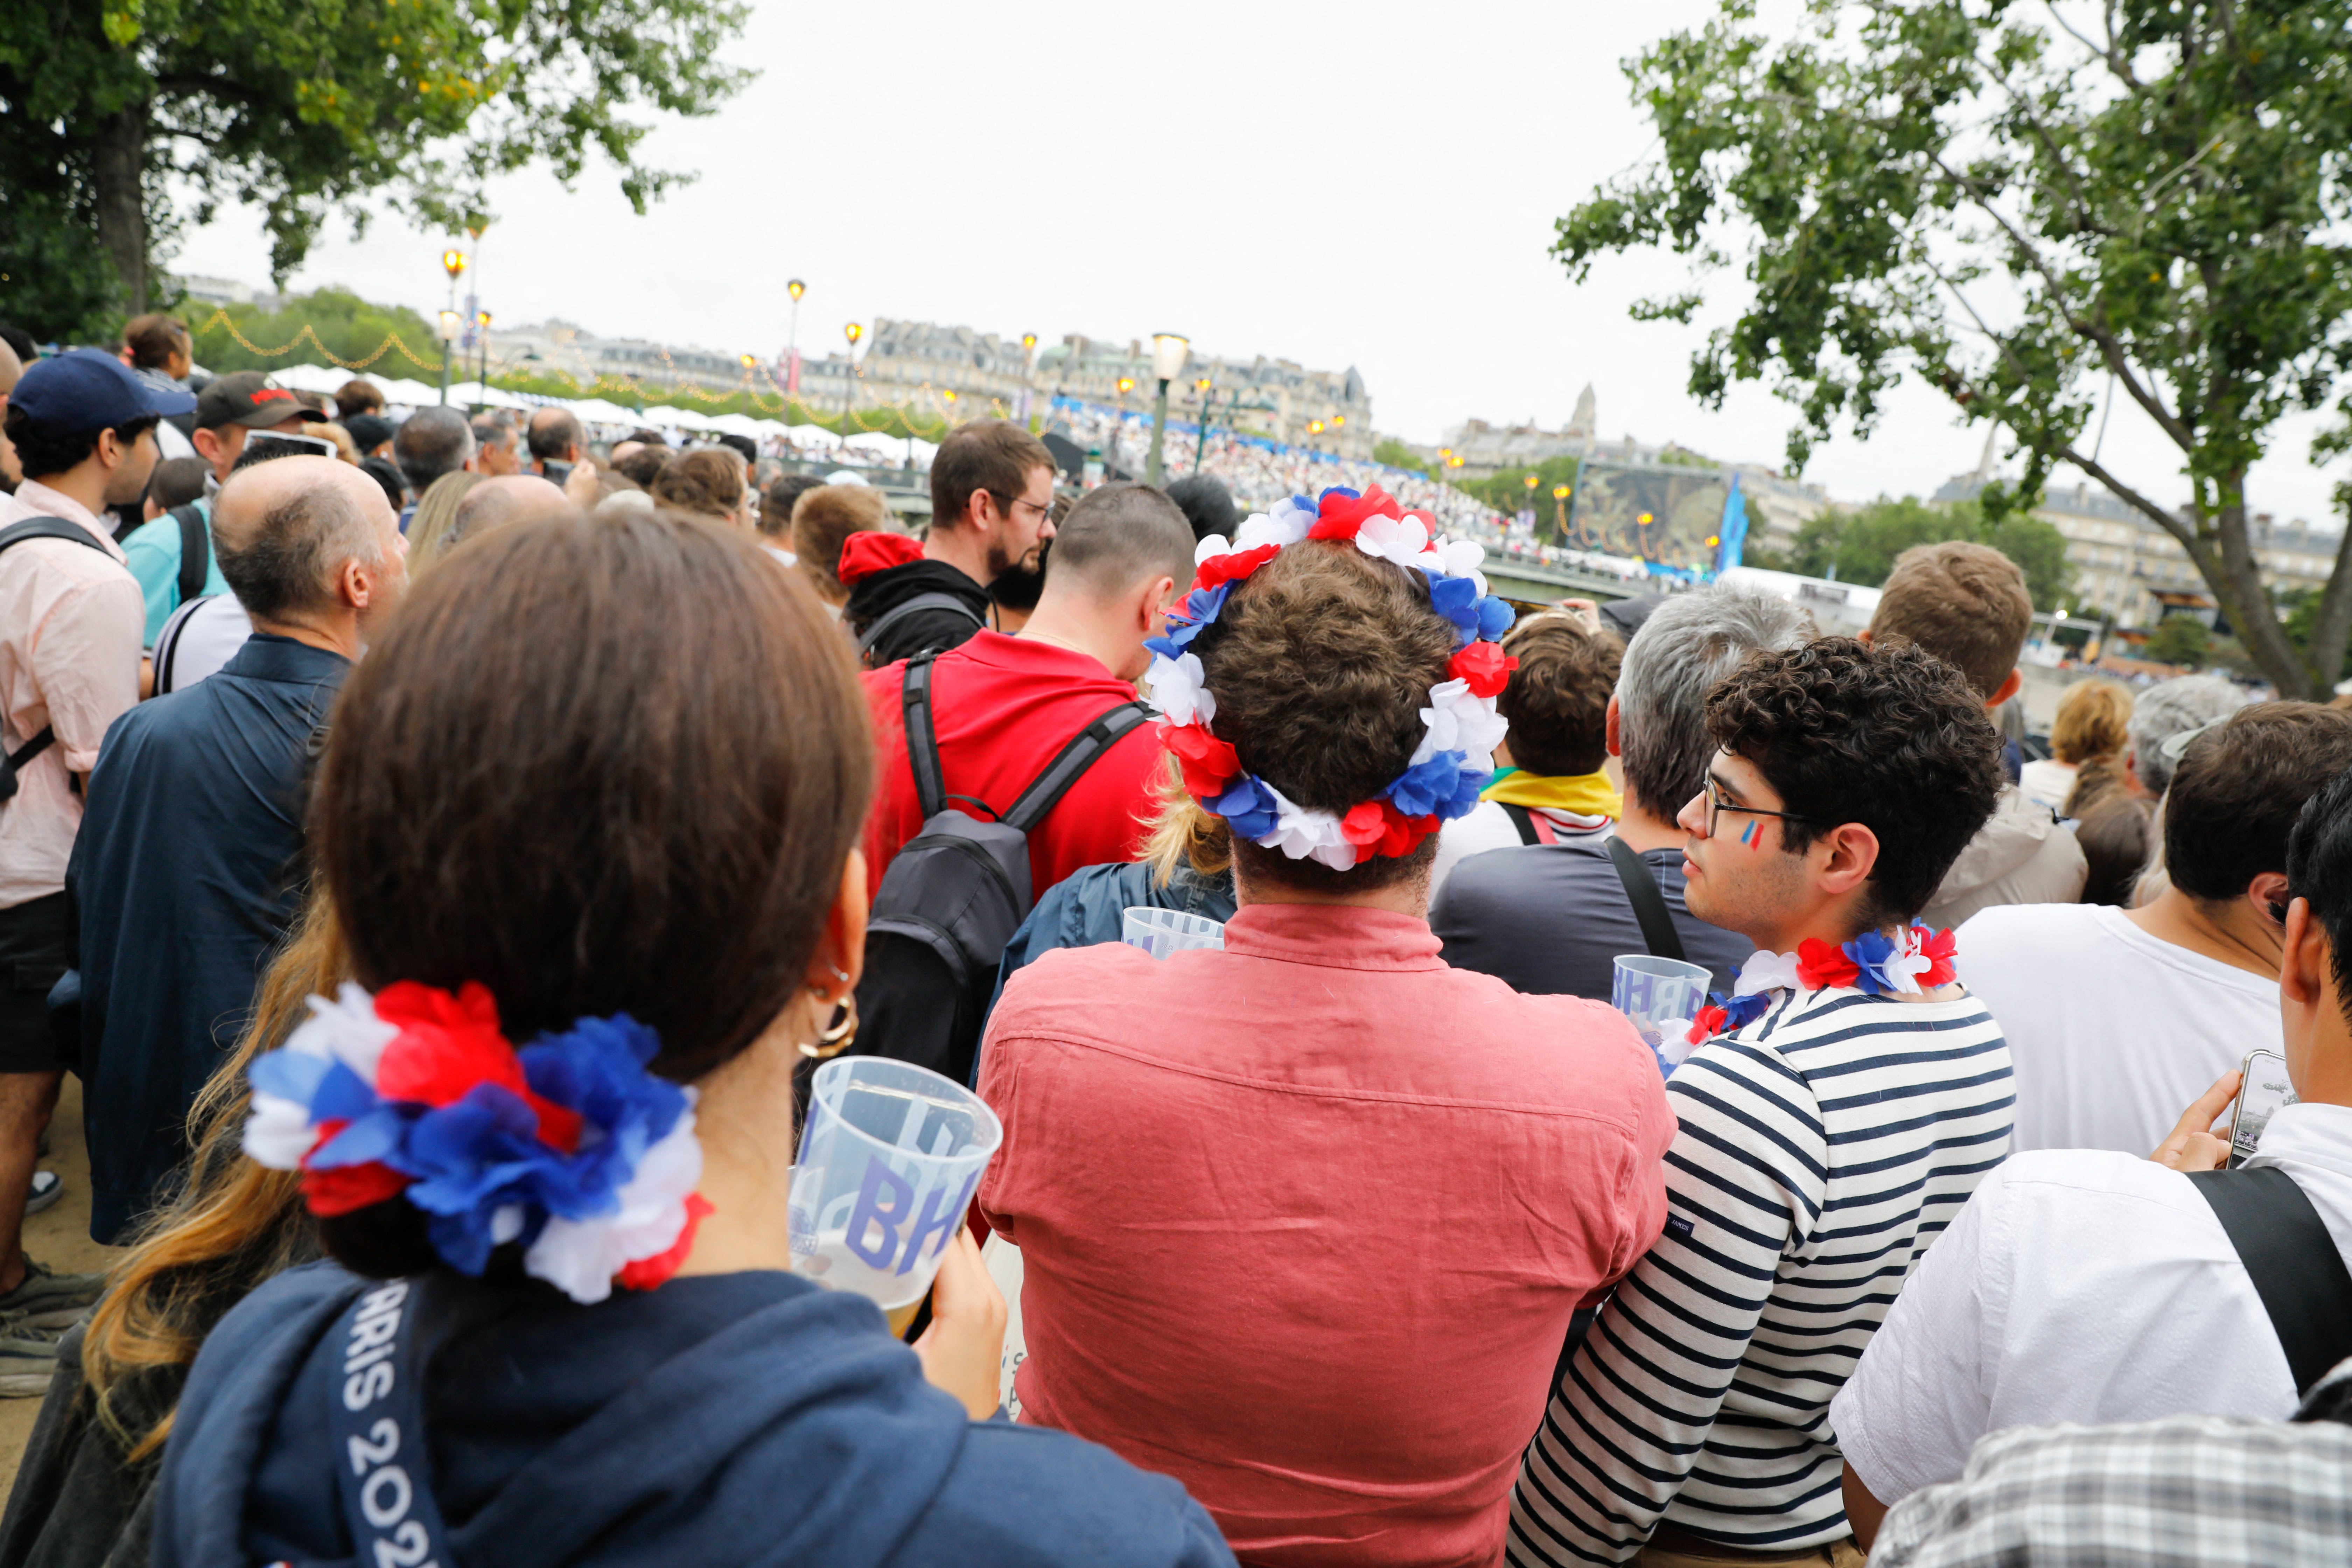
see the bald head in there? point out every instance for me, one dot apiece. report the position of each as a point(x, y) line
point(495, 503)
point(11, 367)
point(284, 530)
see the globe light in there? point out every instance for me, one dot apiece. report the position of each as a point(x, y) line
point(853, 331)
point(454, 262)
point(1169, 352)
point(1533, 482)
point(446, 328)
point(1126, 384)
point(796, 289)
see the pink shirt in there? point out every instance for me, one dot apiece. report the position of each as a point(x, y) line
point(71, 625)
point(1303, 1221)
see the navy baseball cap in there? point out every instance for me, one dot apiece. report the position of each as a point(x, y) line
point(89, 389)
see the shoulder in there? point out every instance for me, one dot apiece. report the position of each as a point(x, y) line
point(1028, 1496)
point(160, 537)
point(2028, 926)
point(1062, 991)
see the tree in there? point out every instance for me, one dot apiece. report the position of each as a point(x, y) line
point(306, 111)
point(2022, 213)
point(346, 326)
point(1397, 455)
point(2183, 640)
point(1861, 545)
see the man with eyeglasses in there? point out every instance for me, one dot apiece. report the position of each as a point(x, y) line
point(1836, 1110)
point(992, 494)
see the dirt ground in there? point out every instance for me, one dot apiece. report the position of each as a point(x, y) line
point(60, 1239)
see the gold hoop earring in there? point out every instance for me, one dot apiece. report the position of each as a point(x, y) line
point(836, 1035)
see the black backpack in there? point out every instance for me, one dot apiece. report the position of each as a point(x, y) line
point(196, 550)
point(15, 534)
point(955, 894)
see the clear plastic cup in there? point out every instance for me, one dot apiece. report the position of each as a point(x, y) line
point(890, 1160)
point(1652, 991)
point(1162, 932)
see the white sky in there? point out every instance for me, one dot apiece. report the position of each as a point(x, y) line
point(1372, 185)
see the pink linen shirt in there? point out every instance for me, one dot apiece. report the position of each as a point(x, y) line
point(71, 625)
point(1303, 1221)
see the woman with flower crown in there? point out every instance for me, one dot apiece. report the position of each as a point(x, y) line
point(1304, 1220)
point(588, 820)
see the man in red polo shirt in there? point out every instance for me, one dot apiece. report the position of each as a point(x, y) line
point(1004, 707)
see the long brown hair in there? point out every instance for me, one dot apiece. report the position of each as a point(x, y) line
point(233, 1225)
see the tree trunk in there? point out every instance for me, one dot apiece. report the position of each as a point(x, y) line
point(2238, 585)
point(120, 155)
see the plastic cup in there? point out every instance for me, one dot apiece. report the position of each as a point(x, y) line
point(1162, 932)
point(1651, 990)
point(890, 1158)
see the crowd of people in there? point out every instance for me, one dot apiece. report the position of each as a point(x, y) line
point(443, 849)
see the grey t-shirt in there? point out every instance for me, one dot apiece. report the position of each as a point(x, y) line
point(1548, 918)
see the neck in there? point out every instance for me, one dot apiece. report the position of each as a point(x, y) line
point(1643, 829)
point(961, 549)
point(2231, 932)
point(1064, 623)
point(746, 1167)
point(84, 484)
point(1410, 897)
point(335, 633)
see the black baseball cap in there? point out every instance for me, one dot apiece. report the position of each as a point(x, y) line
point(247, 398)
point(369, 431)
point(89, 389)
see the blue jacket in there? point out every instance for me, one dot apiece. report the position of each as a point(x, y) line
point(185, 875)
point(723, 1419)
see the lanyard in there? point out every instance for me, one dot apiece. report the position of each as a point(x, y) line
point(377, 1423)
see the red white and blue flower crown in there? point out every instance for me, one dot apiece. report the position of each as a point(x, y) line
point(568, 1147)
point(1455, 757)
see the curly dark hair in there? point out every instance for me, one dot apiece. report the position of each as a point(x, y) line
point(1558, 700)
point(1322, 662)
point(1886, 735)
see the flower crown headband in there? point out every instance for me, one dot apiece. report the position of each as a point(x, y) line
point(1455, 757)
point(568, 1146)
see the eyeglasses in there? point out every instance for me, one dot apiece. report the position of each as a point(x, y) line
point(1717, 806)
point(1043, 511)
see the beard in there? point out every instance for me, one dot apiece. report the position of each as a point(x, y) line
point(1017, 585)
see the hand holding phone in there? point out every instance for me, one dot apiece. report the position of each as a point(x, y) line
point(2194, 1145)
point(2263, 1088)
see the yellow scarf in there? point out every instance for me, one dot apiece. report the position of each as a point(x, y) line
point(1587, 794)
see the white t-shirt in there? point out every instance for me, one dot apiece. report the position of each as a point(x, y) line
point(2080, 1285)
point(2048, 781)
point(2114, 1032)
point(201, 635)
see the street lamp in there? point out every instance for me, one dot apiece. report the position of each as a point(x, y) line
point(1207, 387)
point(1169, 352)
point(795, 288)
point(1559, 494)
point(1028, 370)
point(446, 329)
point(849, 395)
point(482, 375)
point(453, 262)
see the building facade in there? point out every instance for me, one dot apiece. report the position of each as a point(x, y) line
point(2132, 573)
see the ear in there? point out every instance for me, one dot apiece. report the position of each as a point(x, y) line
point(2266, 892)
point(355, 585)
point(1152, 606)
point(2305, 960)
point(1843, 859)
point(2007, 690)
point(209, 446)
point(1616, 745)
point(840, 946)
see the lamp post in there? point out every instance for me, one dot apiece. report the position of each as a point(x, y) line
point(1207, 388)
point(795, 288)
point(482, 375)
point(453, 262)
point(1169, 352)
point(1028, 370)
point(1559, 494)
point(849, 372)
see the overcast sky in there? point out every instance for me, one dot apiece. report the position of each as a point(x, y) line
point(1371, 184)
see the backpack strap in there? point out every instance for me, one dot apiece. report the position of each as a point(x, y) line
point(196, 550)
point(897, 613)
point(16, 533)
point(1045, 791)
point(2296, 1270)
point(1522, 819)
point(1658, 932)
point(922, 735)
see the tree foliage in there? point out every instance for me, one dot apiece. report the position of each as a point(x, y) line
point(2018, 203)
point(2181, 639)
point(1859, 545)
point(346, 326)
point(1397, 455)
point(309, 108)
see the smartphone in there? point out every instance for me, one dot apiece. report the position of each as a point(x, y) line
point(2262, 1088)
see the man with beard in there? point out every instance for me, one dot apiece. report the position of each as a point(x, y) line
point(992, 497)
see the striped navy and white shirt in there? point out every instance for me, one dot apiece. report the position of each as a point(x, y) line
point(1822, 1149)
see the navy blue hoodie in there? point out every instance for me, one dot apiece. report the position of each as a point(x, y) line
point(741, 1418)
